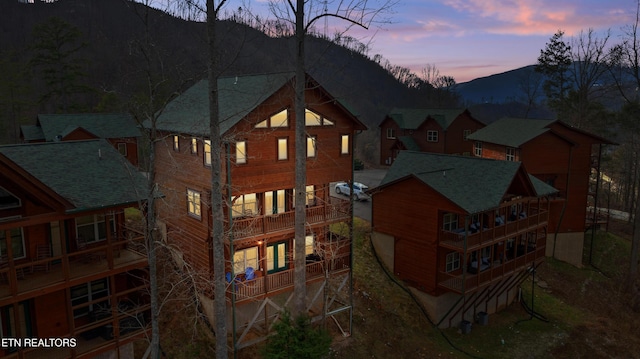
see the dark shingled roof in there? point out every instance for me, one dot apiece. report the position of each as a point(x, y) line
point(474, 184)
point(238, 96)
point(103, 125)
point(89, 174)
point(409, 143)
point(512, 132)
point(412, 118)
point(32, 133)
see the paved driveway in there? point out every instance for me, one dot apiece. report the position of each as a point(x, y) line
point(371, 178)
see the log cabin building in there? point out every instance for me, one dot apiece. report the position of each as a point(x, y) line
point(257, 123)
point(563, 156)
point(427, 130)
point(463, 231)
point(120, 129)
point(69, 268)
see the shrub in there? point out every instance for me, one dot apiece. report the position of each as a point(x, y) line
point(297, 339)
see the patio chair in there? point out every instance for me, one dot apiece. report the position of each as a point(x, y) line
point(43, 251)
point(249, 273)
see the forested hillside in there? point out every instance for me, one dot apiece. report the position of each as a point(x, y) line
point(120, 44)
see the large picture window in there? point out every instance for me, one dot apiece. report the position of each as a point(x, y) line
point(89, 292)
point(453, 262)
point(450, 222)
point(93, 228)
point(245, 205)
point(17, 242)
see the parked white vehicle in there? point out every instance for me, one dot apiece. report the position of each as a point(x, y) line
point(359, 190)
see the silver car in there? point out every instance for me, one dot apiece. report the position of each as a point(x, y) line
point(359, 190)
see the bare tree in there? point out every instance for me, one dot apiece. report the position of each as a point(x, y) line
point(361, 13)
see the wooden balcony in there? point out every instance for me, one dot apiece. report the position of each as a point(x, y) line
point(493, 233)
point(470, 280)
point(278, 282)
point(256, 225)
point(20, 280)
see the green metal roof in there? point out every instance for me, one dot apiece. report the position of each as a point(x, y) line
point(238, 96)
point(103, 125)
point(32, 133)
point(412, 118)
point(89, 174)
point(512, 132)
point(409, 143)
point(474, 184)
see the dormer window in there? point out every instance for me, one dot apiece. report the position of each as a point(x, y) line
point(8, 200)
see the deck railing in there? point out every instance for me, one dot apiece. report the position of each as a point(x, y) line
point(254, 225)
point(275, 282)
point(494, 233)
point(465, 281)
point(19, 277)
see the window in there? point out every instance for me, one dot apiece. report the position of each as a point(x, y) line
point(478, 149)
point(93, 228)
point(432, 136)
point(280, 119)
point(465, 134)
point(311, 146)
point(245, 258)
point(276, 257)
point(8, 200)
point(194, 146)
point(311, 197)
point(453, 262)
point(89, 292)
point(241, 152)
point(344, 145)
point(391, 133)
point(511, 154)
point(313, 119)
point(245, 205)
point(193, 203)
point(122, 148)
point(282, 149)
point(176, 143)
point(17, 242)
point(207, 152)
point(274, 202)
point(9, 325)
point(450, 222)
point(309, 242)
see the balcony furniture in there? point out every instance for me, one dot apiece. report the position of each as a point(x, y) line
point(43, 251)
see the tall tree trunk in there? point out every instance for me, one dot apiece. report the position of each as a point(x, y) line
point(217, 233)
point(635, 249)
point(152, 256)
point(300, 291)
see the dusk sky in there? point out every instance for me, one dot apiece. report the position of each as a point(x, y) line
point(468, 39)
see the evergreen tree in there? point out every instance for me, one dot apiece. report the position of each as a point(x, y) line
point(297, 339)
point(554, 62)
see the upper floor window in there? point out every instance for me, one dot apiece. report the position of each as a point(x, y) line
point(432, 136)
point(194, 145)
point(280, 119)
point(93, 228)
point(477, 149)
point(241, 152)
point(452, 262)
point(89, 293)
point(122, 148)
point(450, 221)
point(309, 244)
point(8, 200)
point(313, 119)
point(283, 149)
point(207, 152)
point(465, 134)
point(245, 205)
point(176, 143)
point(193, 203)
point(344, 145)
point(510, 154)
point(311, 146)
point(17, 243)
point(391, 133)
